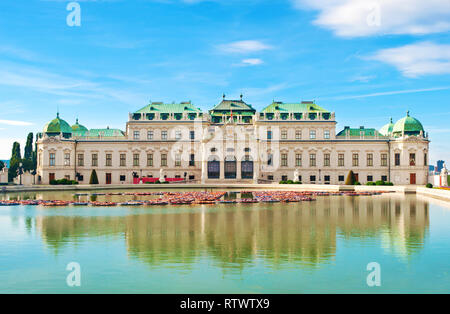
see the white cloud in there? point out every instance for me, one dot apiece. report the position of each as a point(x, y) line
point(354, 18)
point(417, 59)
point(252, 62)
point(245, 46)
point(15, 123)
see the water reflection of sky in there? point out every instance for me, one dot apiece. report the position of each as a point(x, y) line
point(246, 247)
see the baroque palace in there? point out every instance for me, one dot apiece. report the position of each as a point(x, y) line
point(233, 143)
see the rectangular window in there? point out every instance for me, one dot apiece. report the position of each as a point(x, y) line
point(284, 160)
point(94, 160)
point(284, 178)
point(108, 160)
point(341, 178)
point(425, 159)
point(312, 179)
point(66, 159)
point(164, 135)
point(192, 135)
point(355, 160)
point(136, 160)
point(412, 159)
point(178, 135)
point(284, 134)
point(80, 160)
point(369, 160)
point(163, 160)
point(52, 159)
point(369, 178)
point(270, 160)
point(298, 160)
point(123, 160)
point(326, 160)
point(341, 160)
point(312, 134)
point(136, 135)
point(327, 178)
point(312, 160)
point(269, 135)
point(397, 159)
point(326, 134)
point(150, 134)
point(149, 160)
point(192, 160)
point(177, 160)
point(122, 178)
point(270, 178)
point(384, 178)
point(298, 134)
point(384, 160)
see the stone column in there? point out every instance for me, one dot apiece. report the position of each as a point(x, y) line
point(222, 170)
point(238, 170)
point(256, 171)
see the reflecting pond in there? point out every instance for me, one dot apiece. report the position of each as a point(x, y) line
point(322, 246)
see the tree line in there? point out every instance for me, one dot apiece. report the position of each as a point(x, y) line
point(29, 160)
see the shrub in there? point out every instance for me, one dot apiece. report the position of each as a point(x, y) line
point(370, 183)
point(297, 182)
point(429, 185)
point(380, 183)
point(389, 183)
point(283, 182)
point(289, 182)
point(93, 179)
point(358, 183)
point(63, 182)
point(351, 178)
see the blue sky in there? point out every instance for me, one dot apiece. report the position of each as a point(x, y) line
point(365, 60)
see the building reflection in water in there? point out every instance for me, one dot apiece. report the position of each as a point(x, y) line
point(281, 235)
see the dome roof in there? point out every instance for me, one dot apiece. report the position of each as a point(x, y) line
point(386, 130)
point(79, 127)
point(57, 125)
point(407, 125)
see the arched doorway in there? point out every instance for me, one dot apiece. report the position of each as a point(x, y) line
point(213, 167)
point(247, 168)
point(230, 167)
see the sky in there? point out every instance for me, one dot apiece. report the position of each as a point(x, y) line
point(366, 60)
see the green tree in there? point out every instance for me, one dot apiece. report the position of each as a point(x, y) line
point(28, 152)
point(93, 179)
point(2, 165)
point(351, 178)
point(14, 162)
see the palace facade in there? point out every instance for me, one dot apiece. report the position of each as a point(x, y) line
point(234, 143)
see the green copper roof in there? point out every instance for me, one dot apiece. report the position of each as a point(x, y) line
point(304, 106)
point(57, 125)
point(79, 127)
point(357, 132)
point(94, 133)
point(233, 105)
point(386, 130)
point(169, 108)
point(407, 125)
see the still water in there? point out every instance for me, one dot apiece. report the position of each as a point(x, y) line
point(309, 247)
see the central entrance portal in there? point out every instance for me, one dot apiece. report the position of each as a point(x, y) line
point(230, 167)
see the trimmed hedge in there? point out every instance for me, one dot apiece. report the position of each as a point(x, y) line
point(290, 182)
point(63, 182)
point(429, 185)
